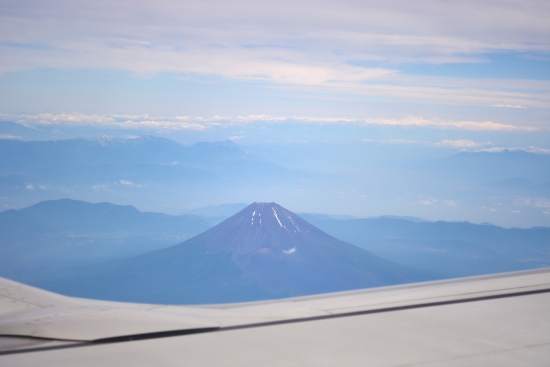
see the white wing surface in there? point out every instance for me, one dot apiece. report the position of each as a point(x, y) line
point(489, 320)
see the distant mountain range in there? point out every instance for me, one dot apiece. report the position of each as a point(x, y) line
point(49, 239)
point(46, 239)
point(449, 249)
point(10, 130)
point(262, 252)
point(76, 216)
point(31, 155)
point(149, 171)
point(50, 243)
point(497, 166)
point(510, 187)
point(519, 185)
point(98, 249)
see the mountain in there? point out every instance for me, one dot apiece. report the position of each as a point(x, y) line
point(46, 239)
point(32, 155)
point(262, 252)
point(449, 249)
point(520, 186)
point(404, 217)
point(215, 154)
point(82, 217)
point(148, 171)
point(497, 165)
point(12, 130)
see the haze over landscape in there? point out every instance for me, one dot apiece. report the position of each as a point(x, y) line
point(382, 143)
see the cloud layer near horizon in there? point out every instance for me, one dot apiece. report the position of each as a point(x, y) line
point(202, 123)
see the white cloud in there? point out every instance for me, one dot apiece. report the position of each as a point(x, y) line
point(542, 203)
point(290, 251)
point(10, 137)
point(461, 125)
point(319, 120)
point(99, 187)
point(126, 183)
point(42, 187)
point(201, 123)
point(452, 202)
point(508, 106)
point(400, 141)
point(29, 186)
point(428, 201)
point(118, 121)
point(531, 149)
point(310, 46)
point(132, 184)
point(165, 32)
point(533, 202)
point(461, 143)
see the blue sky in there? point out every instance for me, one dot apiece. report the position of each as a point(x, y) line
point(473, 61)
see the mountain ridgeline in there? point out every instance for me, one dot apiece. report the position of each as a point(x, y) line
point(147, 171)
point(508, 188)
point(42, 241)
point(262, 252)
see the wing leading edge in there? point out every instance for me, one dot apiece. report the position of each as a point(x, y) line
point(489, 317)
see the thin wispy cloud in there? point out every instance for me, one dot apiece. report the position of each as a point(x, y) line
point(414, 121)
point(509, 106)
point(530, 149)
point(201, 123)
point(465, 145)
point(426, 30)
point(144, 122)
point(311, 46)
point(462, 143)
point(399, 141)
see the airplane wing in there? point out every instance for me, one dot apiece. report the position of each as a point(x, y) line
point(500, 320)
